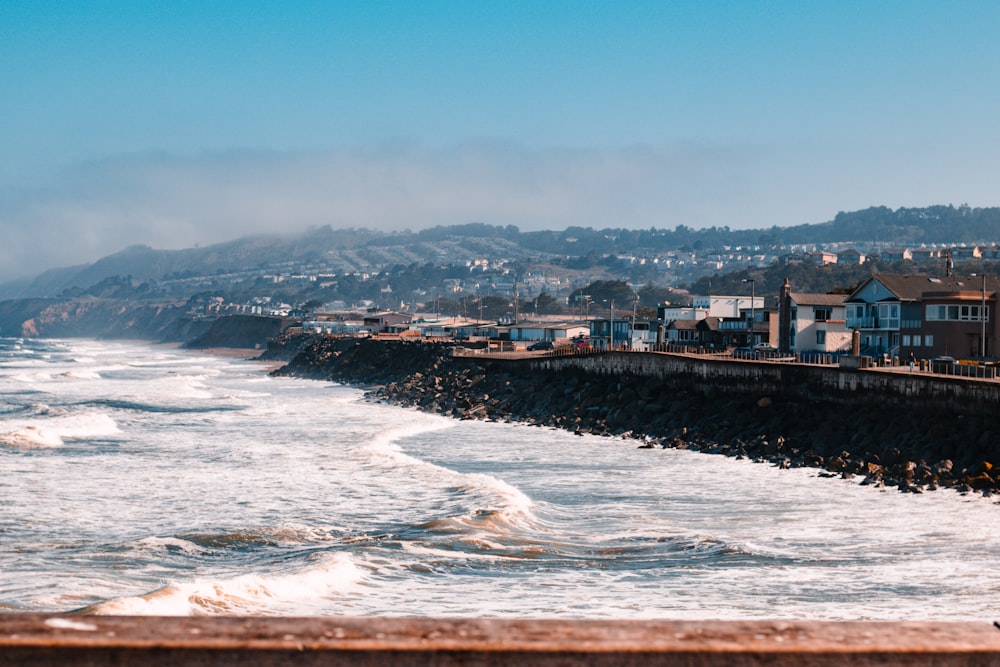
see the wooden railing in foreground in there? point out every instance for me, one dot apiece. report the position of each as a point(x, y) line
point(47, 640)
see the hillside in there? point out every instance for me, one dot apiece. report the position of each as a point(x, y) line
point(347, 251)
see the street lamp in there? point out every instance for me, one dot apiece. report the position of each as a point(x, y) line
point(635, 302)
point(753, 308)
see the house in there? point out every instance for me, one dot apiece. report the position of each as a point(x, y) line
point(668, 314)
point(958, 320)
point(335, 328)
point(387, 322)
point(694, 333)
point(615, 333)
point(897, 315)
point(812, 322)
point(527, 331)
point(966, 253)
point(727, 306)
point(850, 256)
point(926, 255)
point(566, 330)
point(821, 257)
point(644, 334)
point(896, 254)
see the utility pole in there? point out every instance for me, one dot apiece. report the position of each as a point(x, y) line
point(635, 302)
point(982, 318)
point(515, 301)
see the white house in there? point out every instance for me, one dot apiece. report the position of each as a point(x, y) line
point(818, 323)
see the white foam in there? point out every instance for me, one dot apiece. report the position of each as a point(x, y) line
point(245, 594)
point(55, 432)
point(81, 375)
point(511, 503)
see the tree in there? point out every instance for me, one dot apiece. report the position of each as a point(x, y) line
point(606, 291)
point(545, 304)
point(652, 296)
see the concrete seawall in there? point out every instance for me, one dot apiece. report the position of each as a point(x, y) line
point(818, 383)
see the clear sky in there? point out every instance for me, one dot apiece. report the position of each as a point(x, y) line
point(175, 123)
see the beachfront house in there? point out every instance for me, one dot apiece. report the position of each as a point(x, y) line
point(897, 315)
point(690, 333)
point(818, 323)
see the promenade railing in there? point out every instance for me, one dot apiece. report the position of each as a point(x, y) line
point(829, 359)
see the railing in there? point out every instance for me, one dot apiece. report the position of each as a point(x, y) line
point(886, 323)
point(878, 361)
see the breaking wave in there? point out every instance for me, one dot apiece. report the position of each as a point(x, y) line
point(244, 594)
point(55, 432)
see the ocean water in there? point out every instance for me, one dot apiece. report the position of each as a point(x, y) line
point(139, 479)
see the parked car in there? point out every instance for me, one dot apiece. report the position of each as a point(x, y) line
point(540, 345)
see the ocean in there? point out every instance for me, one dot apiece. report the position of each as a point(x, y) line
point(142, 479)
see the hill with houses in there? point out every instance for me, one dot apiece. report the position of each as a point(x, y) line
point(501, 272)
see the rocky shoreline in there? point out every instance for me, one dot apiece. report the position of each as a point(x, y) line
point(912, 450)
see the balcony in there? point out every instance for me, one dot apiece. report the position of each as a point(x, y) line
point(871, 322)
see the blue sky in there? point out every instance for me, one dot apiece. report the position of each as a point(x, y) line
point(183, 122)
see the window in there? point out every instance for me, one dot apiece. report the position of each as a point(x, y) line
point(916, 341)
point(957, 313)
point(823, 314)
point(821, 338)
point(906, 340)
point(929, 340)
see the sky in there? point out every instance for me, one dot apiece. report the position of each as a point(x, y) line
point(180, 123)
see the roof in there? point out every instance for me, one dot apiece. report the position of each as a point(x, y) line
point(912, 288)
point(804, 299)
point(708, 323)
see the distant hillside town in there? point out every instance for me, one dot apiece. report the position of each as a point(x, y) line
point(714, 288)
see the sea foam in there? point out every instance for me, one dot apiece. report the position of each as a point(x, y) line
point(244, 594)
point(55, 432)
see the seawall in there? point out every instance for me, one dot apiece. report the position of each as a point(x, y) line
point(914, 432)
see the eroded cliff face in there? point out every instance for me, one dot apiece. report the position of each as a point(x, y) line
point(87, 318)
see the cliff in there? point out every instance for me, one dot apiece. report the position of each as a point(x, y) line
point(913, 433)
point(88, 317)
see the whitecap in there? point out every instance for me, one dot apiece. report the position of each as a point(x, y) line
point(245, 594)
point(55, 432)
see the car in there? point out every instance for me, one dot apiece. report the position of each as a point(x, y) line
point(764, 347)
point(541, 345)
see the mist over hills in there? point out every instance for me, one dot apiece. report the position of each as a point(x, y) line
point(360, 250)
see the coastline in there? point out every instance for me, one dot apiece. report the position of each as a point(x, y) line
point(239, 353)
point(905, 447)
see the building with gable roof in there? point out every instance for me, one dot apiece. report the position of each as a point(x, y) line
point(897, 315)
point(812, 322)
